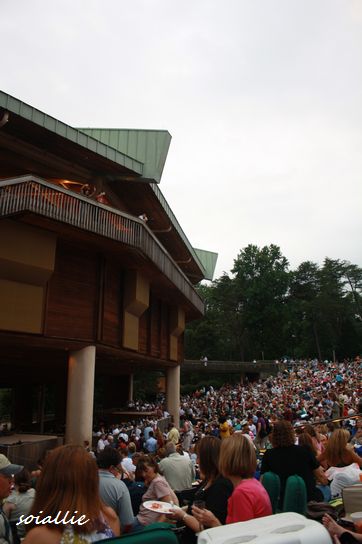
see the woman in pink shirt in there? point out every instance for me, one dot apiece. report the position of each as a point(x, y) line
point(249, 499)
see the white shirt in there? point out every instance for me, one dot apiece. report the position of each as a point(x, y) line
point(102, 444)
point(128, 465)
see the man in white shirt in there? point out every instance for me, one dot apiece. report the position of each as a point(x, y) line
point(102, 443)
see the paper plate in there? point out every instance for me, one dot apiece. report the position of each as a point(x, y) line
point(159, 506)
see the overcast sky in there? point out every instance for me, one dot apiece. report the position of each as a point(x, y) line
point(263, 99)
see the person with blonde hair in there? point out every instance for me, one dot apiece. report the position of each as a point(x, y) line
point(249, 499)
point(337, 452)
point(67, 506)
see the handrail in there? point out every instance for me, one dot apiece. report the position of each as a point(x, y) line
point(31, 193)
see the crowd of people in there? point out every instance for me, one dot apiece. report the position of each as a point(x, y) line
point(210, 469)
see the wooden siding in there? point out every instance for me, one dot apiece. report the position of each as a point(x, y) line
point(154, 330)
point(111, 323)
point(143, 338)
point(85, 301)
point(72, 294)
point(155, 319)
point(165, 332)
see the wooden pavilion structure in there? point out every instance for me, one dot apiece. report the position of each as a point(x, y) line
point(87, 286)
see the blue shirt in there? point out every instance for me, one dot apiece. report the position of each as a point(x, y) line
point(151, 445)
point(114, 493)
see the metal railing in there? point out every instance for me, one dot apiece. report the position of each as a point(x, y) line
point(33, 194)
point(229, 367)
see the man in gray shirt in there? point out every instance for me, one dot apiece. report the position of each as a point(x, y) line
point(177, 469)
point(113, 491)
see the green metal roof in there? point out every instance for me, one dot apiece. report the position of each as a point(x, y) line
point(37, 117)
point(142, 151)
point(208, 260)
point(150, 147)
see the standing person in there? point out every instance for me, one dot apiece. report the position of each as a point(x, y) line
point(224, 427)
point(112, 490)
point(188, 434)
point(69, 483)
point(173, 434)
point(261, 431)
point(249, 499)
point(177, 469)
point(336, 408)
point(7, 470)
point(102, 443)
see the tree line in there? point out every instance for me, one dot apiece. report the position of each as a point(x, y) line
point(264, 310)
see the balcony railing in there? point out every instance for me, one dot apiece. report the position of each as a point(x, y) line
point(33, 194)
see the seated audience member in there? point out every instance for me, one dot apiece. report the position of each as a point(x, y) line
point(214, 489)
point(337, 452)
point(69, 483)
point(112, 490)
point(316, 438)
point(287, 459)
point(128, 467)
point(177, 469)
point(157, 490)
point(7, 470)
point(339, 534)
point(19, 502)
point(249, 499)
point(305, 440)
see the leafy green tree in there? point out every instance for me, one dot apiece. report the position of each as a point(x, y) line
point(303, 310)
point(262, 280)
point(263, 310)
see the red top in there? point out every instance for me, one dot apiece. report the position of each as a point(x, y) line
point(248, 501)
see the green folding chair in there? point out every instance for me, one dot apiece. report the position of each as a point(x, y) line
point(295, 496)
point(271, 482)
point(156, 533)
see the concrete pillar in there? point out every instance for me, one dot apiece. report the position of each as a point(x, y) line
point(79, 420)
point(173, 393)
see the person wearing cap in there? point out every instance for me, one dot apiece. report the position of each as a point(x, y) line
point(7, 471)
